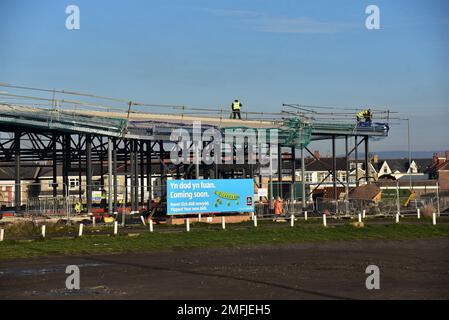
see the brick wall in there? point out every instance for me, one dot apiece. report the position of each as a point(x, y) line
point(444, 179)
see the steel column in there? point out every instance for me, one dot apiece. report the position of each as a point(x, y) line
point(334, 170)
point(89, 173)
point(18, 186)
point(366, 159)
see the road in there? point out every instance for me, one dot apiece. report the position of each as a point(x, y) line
point(413, 269)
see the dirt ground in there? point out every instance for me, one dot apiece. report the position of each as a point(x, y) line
point(414, 269)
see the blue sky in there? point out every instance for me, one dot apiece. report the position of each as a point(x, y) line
point(266, 52)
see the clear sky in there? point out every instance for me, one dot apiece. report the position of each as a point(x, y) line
point(266, 52)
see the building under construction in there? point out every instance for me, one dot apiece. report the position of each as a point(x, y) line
point(128, 148)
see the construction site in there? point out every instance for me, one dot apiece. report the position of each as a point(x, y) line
point(112, 157)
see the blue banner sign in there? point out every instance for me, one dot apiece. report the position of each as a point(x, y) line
point(210, 196)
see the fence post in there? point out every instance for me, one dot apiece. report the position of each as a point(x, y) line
point(418, 212)
point(2, 234)
point(151, 225)
point(292, 220)
point(199, 217)
point(223, 222)
point(398, 201)
point(305, 215)
point(324, 220)
point(434, 219)
point(255, 221)
point(115, 227)
point(363, 213)
point(43, 231)
point(397, 217)
point(360, 218)
point(80, 232)
point(188, 225)
point(93, 221)
point(143, 220)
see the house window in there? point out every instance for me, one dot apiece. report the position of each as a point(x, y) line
point(322, 177)
point(308, 177)
point(74, 183)
point(385, 170)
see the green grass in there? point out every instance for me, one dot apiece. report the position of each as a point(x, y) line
point(103, 244)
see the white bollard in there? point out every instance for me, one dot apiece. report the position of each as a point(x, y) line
point(199, 217)
point(255, 221)
point(2, 234)
point(151, 225)
point(188, 225)
point(223, 223)
point(80, 231)
point(93, 221)
point(397, 217)
point(252, 215)
point(115, 227)
point(363, 214)
point(418, 213)
point(360, 218)
point(324, 220)
point(143, 220)
point(43, 231)
point(305, 215)
point(434, 219)
point(292, 220)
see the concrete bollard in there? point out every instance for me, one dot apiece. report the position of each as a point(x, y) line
point(115, 228)
point(43, 229)
point(93, 221)
point(2, 234)
point(363, 214)
point(324, 220)
point(305, 215)
point(434, 219)
point(223, 223)
point(397, 217)
point(188, 225)
point(292, 220)
point(418, 213)
point(360, 218)
point(143, 220)
point(255, 221)
point(151, 225)
point(80, 231)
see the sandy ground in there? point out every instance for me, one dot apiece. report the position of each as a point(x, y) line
point(416, 269)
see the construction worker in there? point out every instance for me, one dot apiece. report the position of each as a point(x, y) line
point(236, 105)
point(78, 207)
point(278, 208)
point(365, 116)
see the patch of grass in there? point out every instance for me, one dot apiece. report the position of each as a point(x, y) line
point(104, 244)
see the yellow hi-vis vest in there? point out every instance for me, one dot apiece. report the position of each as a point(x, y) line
point(362, 114)
point(236, 106)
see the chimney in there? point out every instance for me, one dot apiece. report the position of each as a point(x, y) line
point(316, 153)
point(375, 158)
point(435, 157)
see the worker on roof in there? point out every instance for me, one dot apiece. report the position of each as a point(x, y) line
point(236, 106)
point(366, 116)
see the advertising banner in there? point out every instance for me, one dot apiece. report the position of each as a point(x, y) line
point(210, 196)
